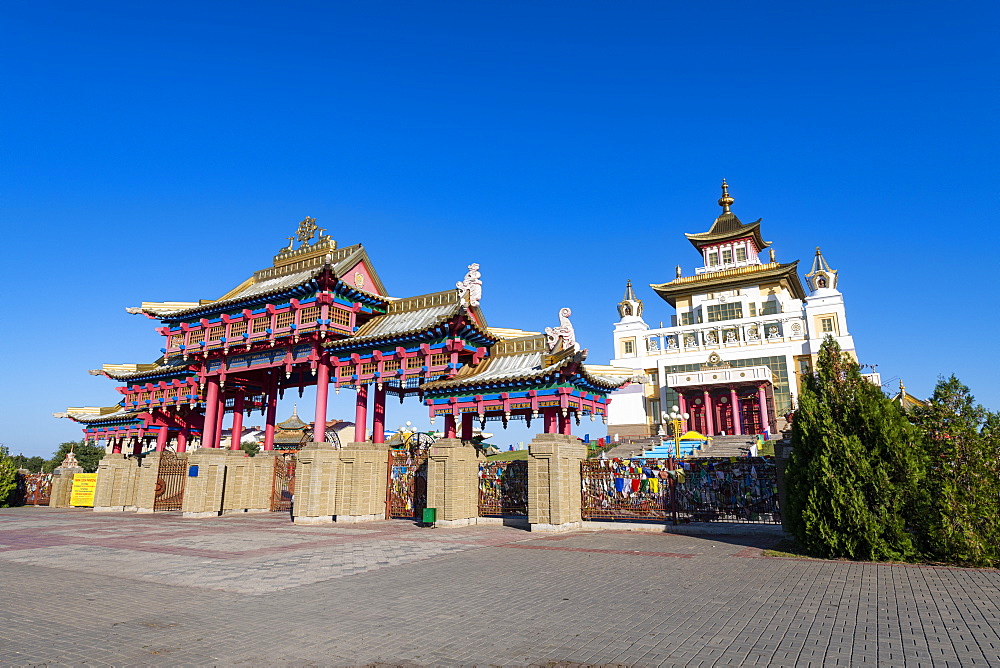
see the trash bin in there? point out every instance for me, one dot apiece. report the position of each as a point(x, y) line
point(429, 516)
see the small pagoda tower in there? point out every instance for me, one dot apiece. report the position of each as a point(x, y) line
point(292, 433)
point(630, 306)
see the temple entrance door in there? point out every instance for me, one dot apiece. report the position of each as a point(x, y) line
point(723, 413)
point(696, 408)
point(170, 477)
point(283, 482)
point(751, 413)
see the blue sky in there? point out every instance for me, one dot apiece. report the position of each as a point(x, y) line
point(158, 152)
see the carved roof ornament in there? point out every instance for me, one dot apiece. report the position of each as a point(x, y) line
point(630, 305)
point(307, 230)
point(470, 290)
point(562, 337)
point(716, 362)
point(821, 277)
point(725, 201)
point(134, 310)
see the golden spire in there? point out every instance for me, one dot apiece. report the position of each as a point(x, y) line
point(902, 388)
point(725, 201)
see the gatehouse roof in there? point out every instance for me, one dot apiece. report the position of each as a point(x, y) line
point(753, 274)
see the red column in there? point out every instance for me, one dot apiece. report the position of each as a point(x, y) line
point(449, 425)
point(765, 420)
point(709, 418)
point(378, 417)
point(237, 437)
point(272, 412)
point(467, 426)
point(566, 425)
point(734, 404)
point(322, 397)
point(221, 416)
point(137, 446)
point(361, 415)
point(211, 412)
point(116, 445)
point(161, 438)
point(182, 438)
point(682, 406)
point(549, 416)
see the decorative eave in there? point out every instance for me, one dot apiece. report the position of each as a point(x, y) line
point(98, 415)
point(740, 276)
point(142, 371)
point(418, 318)
point(728, 227)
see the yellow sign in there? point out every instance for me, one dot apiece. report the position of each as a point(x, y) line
point(84, 486)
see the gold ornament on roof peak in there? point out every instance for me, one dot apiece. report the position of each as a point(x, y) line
point(725, 201)
point(307, 229)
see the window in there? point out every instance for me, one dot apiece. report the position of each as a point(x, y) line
point(804, 366)
point(727, 256)
point(258, 325)
point(826, 325)
point(628, 347)
point(309, 314)
point(741, 253)
point(285, 319)
point(654, 410)
point(215, 333)
point(753, 309)
point(687, 318)
point(369, 368)
point(439, 359)
point(713, 259)
point(768, 308)
point(727, 311)
point(237, 329)
point(415, 363)
point(390, 366)
point(339, 316)
point(653, 378)
point(196, 337)
point(176, 340)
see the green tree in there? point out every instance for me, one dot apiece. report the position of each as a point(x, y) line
point(33, 464)
point(88, 455)
point(854, 469)
point(960, 518)
point(8, 477)
point(250, 447)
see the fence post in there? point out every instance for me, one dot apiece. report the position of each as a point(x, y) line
point(453, 482)
point(361, 484)
point(554, 485)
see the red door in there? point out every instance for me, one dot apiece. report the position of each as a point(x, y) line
point(751, 413)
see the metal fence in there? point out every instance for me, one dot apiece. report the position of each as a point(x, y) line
point(503, 489)
point(170, 478)
point(407, 483)
point(283, 483)
point(721, 489)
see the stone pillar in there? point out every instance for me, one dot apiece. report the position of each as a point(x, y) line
point(242, 492)
point(361, 481)
point(554, 486)
point(116, 484)
point(203, 492)
point(453, 482)
point(316, 484)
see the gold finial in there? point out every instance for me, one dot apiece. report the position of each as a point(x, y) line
point(817, 251)
point(725, 201)
point(771, 255)
point(901, 386)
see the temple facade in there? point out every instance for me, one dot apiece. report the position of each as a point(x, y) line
point(320, 316)
point(742, 333)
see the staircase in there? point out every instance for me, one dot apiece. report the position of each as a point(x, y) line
point(727, 446)
point(633, 448)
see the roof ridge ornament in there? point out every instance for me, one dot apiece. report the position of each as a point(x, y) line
point(470, 289)
point(564, 336)
point(307, 230)
point(725, 201)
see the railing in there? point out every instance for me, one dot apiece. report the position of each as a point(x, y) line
point(503, 488)
point(723, 489)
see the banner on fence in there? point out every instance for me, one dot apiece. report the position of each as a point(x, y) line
point(84, 487)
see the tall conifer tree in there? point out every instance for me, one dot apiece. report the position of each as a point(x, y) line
point(854, 467)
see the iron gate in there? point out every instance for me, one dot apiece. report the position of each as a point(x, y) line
point(283, 485)
point(407, 483)
point(503, 488)
point(170, 477)
point(718, 489)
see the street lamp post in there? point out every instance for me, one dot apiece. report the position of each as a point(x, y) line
point(676, 419)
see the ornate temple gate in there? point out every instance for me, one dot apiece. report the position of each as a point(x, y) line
point(283, 482)
point(407, 483)
point(717, 489)
point(503, 488)
point(170, 478)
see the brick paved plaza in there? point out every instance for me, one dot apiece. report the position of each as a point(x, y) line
point(80, 587)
